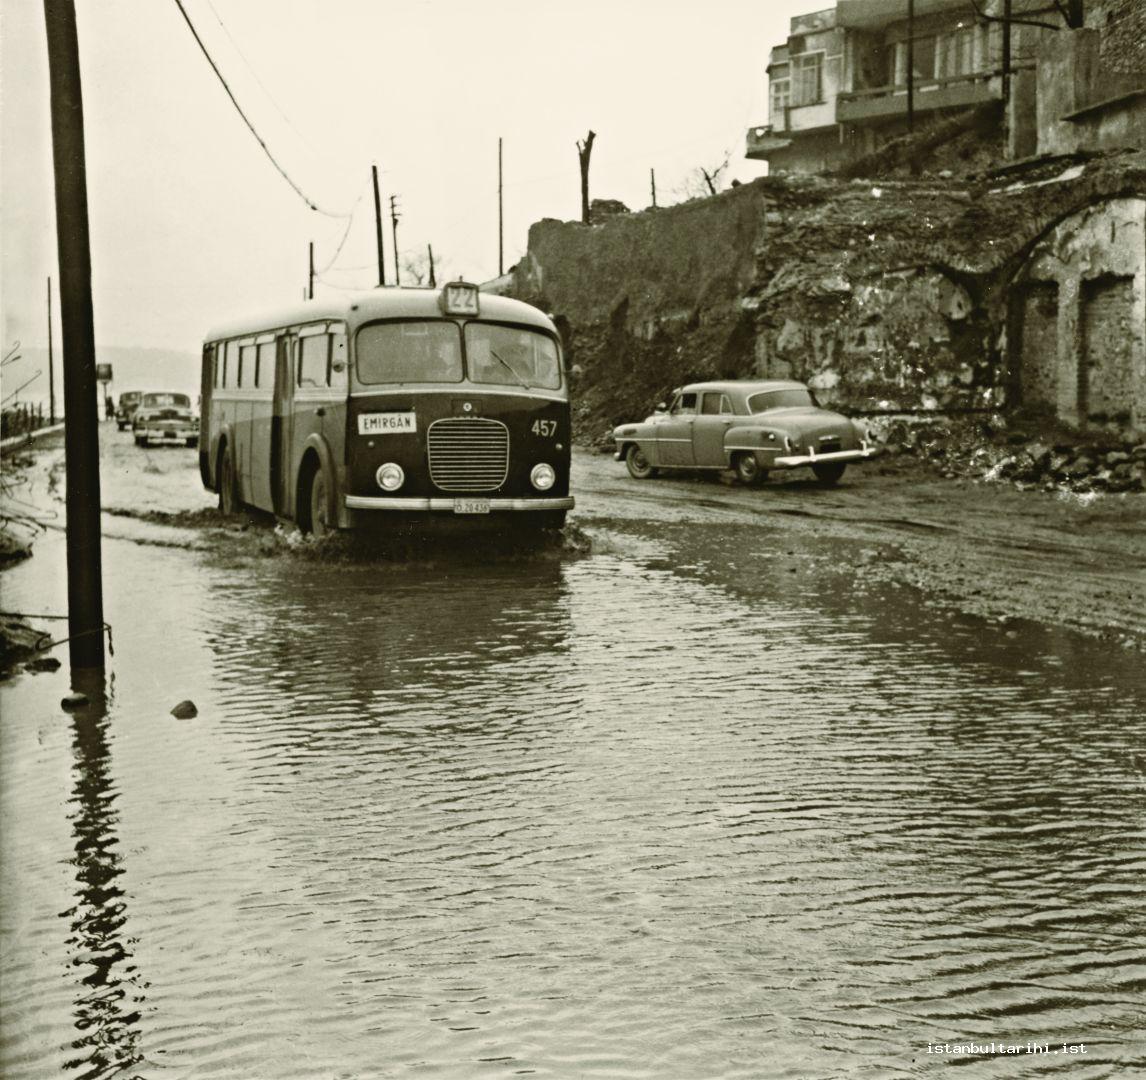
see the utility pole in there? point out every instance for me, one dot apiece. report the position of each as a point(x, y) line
point(653, 185)
point(310, 276)
point(910, 65)
point(51, 362)
point(394, 216)
point(1006, 51)
point(81, 435)
point(378, 230)
point(500, 217)
point(433, 277)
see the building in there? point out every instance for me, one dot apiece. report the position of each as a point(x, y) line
point(838, 88)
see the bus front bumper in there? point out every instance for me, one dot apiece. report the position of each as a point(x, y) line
point(449, 506)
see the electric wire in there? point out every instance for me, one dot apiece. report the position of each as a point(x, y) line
point(251, 127)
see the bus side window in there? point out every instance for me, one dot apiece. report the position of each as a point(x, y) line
point(231, 367)
point(314, 360)
point(245, 375)
point(338, 362)
point(220, 364)
point(265, 364)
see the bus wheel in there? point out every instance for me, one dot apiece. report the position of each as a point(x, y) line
point(228, 497)
point(319, 505)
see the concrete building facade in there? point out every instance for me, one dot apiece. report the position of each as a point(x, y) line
point(839, 86)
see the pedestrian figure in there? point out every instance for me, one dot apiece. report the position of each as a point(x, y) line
point(109, 407)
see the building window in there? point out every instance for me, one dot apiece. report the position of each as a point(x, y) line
point(780, 100)
point(807, 79)
point(956, 54)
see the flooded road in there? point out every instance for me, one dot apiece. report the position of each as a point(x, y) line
point(674, 807)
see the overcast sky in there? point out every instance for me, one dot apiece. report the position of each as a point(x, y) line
point(191, 222)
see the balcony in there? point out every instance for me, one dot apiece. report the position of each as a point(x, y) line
point(764, 140)
point(882, 102)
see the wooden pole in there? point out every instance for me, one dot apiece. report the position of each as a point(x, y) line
point(910, 65)
point(378, 230)
point(394, 215)
point(500, 217)
point(81, 435)
point(584, 150)
point(653, 185)
point(433, 277)
point(51, 363)
point(310, 275)
point(1006, 51)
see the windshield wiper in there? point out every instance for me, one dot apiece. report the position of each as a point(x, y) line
point(512, 370)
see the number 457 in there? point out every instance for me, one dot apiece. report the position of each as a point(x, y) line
point(547, 428)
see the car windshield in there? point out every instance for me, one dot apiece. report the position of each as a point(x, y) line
point(794, 397)
point(159, 401)
point(414, 351)
point(509, 355)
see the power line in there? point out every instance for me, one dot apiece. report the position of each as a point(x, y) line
point(255, 74)
point(251, 127)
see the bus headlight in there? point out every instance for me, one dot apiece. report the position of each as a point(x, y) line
point(390, 477)
point(542, 477)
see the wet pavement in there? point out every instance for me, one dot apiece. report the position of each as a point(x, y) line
point(696, 802)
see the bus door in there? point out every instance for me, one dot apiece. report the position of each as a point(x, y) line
point(282, 424)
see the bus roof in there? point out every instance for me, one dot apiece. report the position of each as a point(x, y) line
point(381, 303)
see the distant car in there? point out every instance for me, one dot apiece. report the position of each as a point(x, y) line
point(750, 426)
point(165, 418)
point(125, 410)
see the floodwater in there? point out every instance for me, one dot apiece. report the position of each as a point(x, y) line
point(694, 804)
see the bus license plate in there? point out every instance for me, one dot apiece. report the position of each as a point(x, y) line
point(471, 506)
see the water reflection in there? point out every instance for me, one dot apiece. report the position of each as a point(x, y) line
point(107, 1008)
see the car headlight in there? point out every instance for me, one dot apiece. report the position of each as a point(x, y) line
point(542, 477)
point(390, 476)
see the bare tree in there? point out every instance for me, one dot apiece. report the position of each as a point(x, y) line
point(418, 267)
point(702, 181)
point(584, 149)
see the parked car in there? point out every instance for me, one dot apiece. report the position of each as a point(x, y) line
point(750, 426)
point(165, 418)
point(125, 408)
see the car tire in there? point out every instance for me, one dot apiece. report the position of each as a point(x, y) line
point(192, 442)
point(637, 464)
point(228, 489)
point(748, 470)
point(318, 501)
point(829, 472)
point(140, 440)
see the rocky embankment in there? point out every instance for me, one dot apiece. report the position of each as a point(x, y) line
point(1025, 455)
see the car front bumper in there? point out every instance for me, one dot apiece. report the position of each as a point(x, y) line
point(173, 435)
point(415, 504)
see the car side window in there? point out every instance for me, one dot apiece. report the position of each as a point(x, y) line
point(726, 406)
point(710, 404)
point(685, 405)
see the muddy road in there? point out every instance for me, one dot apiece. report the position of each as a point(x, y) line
point(1059, 559)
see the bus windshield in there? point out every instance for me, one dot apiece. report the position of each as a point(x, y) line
point(509, 355)
point(410, 352)
point(780, 399)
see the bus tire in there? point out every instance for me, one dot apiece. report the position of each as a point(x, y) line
point(315, 516)
point(228, 489)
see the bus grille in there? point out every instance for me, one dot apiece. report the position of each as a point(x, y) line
point(468, 455)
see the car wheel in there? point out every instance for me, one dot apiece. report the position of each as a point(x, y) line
point(748, 469)
point(829, 472)
point(637, 464)
point(140, 440)
point(192, 442)
point(228, 490)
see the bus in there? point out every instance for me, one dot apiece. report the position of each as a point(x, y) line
point(392, 405)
